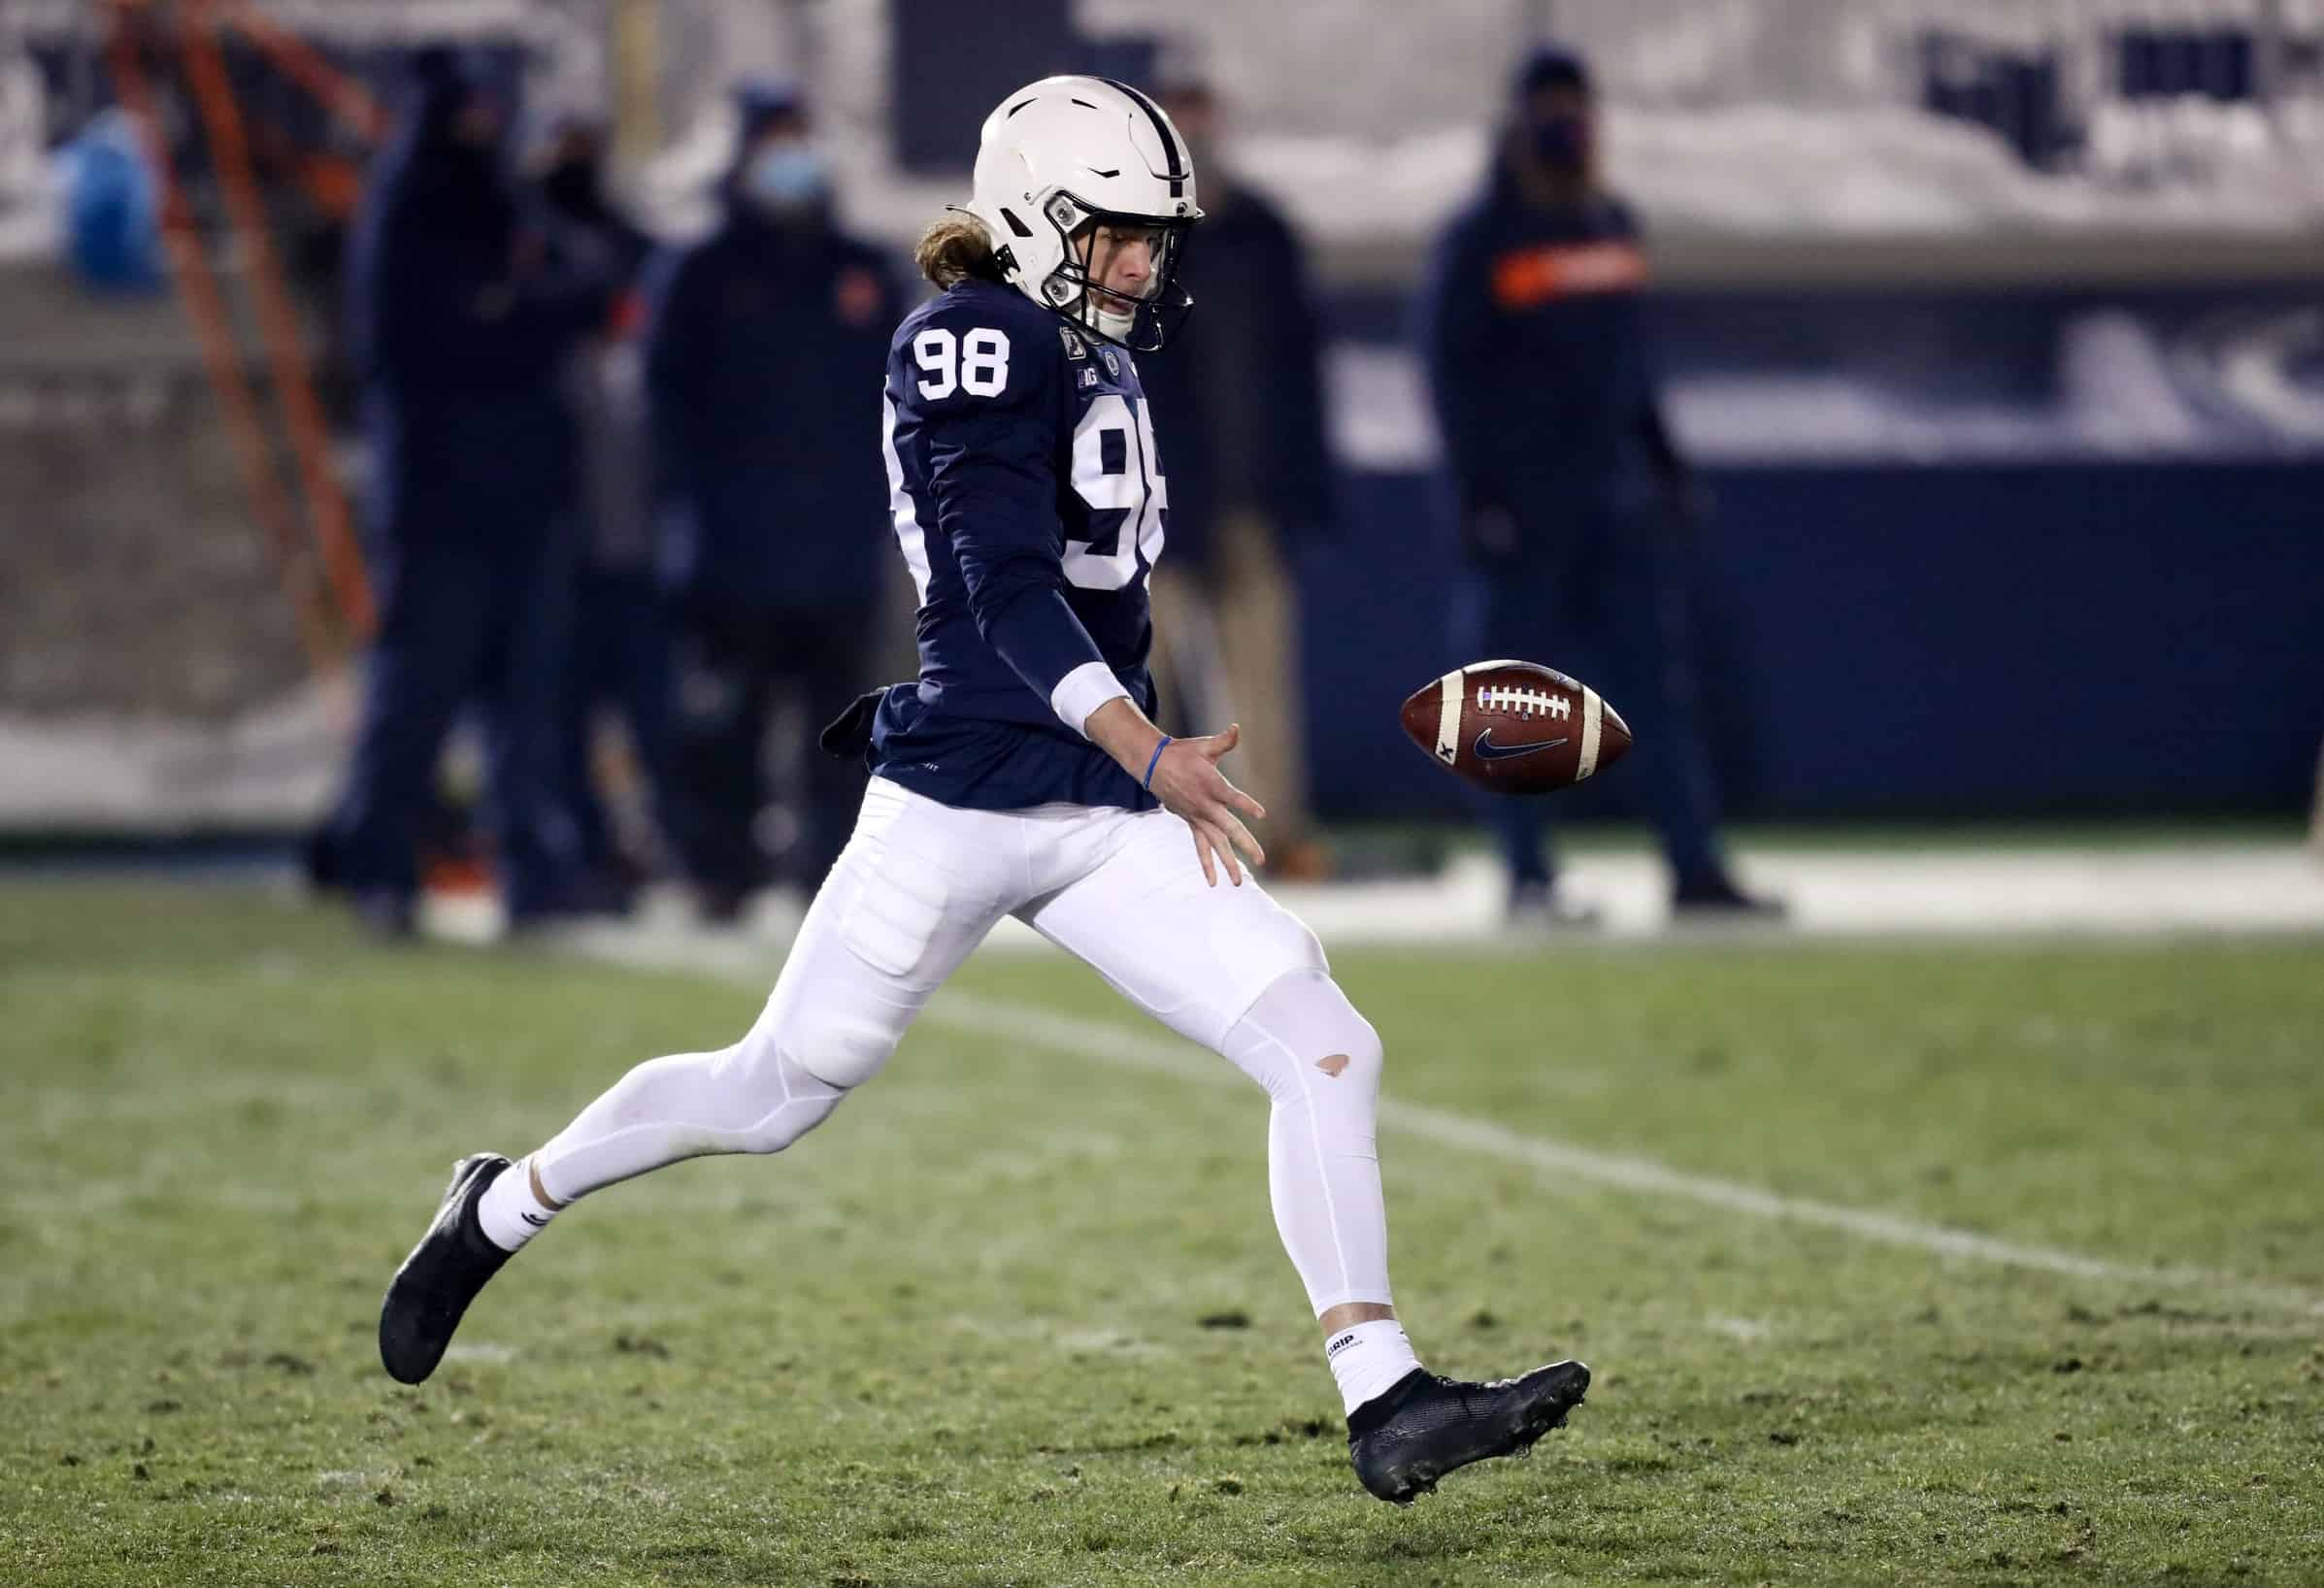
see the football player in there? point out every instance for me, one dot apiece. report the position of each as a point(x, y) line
point(1021, 776)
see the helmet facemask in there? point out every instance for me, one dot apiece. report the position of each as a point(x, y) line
point(1143, 320)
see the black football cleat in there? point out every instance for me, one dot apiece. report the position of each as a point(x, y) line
point(1425, 1426)
point(433, 1288)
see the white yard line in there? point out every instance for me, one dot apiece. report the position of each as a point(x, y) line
point(2034, 890)
point(1111, 1042)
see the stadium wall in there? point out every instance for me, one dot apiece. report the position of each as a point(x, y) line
point(1984, 601)
point(1976, 550)
point(2094, 639)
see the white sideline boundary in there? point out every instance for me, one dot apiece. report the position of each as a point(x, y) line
point(2026, 893)
point(1123, 1046)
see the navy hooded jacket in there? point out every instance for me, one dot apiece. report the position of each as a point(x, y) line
point(764, 350)
point(1533, 326)
point(460, 318)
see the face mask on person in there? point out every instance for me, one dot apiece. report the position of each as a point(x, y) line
point(788, 175)
point(1562, 143)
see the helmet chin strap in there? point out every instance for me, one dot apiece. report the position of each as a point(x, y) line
point(1098, 306)
point(1095, 309)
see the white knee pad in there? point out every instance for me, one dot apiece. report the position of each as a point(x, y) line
point(827, 1046)
point(1301, 1028)
point(1343, 1032)
point(1252, 952)
point(1367, 1057)
point(768, 1098)
point(845, 1053)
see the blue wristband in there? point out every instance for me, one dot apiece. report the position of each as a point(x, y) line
point(1148, 785)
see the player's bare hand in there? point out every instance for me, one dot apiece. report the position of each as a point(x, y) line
point(1189, 785)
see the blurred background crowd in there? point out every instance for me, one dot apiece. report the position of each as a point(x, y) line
point(448, 430)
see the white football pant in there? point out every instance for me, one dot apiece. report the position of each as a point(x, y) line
point(917, 889)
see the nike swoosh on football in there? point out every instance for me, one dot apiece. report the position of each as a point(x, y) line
point(1487, 750)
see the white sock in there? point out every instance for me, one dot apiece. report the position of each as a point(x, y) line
point(1368, 1358)
point(509, 1212)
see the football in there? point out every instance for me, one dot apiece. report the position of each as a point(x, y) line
point(1516, 727)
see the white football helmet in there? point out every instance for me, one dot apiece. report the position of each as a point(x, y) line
point(1060, 157)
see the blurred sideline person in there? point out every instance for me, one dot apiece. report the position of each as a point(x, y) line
point(1577, 513)
point(617, 660)
point(1021, 775)
point(461, 323)
point(1248, 476)
point(2316, 820)
point(756, 357)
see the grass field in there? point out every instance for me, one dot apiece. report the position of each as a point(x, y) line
point(1019, 1317)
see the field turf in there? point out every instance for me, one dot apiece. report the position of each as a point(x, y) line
point(1019, 1316)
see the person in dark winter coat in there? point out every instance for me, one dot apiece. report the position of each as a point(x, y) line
point(618, 659)
point(763, 349)
point(1250, 478)
point(1575, 510)
point(460, 321)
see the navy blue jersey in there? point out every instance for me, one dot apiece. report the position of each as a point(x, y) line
point(1029, 503)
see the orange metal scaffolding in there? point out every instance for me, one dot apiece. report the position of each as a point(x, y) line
point(338, 610)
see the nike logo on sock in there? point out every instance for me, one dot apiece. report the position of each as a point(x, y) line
point(536, 1223)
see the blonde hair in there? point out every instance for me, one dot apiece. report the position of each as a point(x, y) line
point(954, 248)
